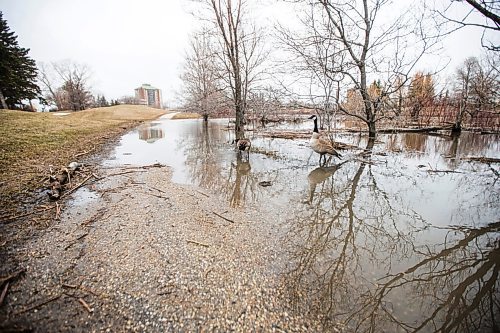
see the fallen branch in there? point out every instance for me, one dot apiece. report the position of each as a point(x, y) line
point(443, 171)
point(415, 130)
point(124, 173)
point(78, 186)
point(156, 165)
point(287, 135)
point(222, 217)
point(483, 159)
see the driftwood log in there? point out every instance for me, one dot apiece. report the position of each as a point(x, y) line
point(57, 182)
point(483, 159)
point(415, 130)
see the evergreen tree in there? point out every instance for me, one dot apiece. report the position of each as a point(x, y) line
point(420, 93)
point(18, 71)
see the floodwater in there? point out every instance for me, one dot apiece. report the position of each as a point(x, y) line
point(402, 238)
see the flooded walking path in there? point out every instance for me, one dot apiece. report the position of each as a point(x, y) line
point(401, 238)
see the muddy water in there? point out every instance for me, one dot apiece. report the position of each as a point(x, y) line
point(402, 238)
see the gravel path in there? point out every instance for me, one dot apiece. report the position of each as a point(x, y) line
point(152, 256)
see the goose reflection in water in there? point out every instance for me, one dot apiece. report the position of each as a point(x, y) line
point(241, 181)
point(318, 176)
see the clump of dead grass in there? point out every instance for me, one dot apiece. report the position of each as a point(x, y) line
point(186, 115)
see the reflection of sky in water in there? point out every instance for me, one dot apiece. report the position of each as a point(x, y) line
point(204, 157)
point(400, 204)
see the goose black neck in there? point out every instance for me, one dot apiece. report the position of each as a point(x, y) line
point(315, 125)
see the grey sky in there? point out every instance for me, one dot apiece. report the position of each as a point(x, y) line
point(127, 43)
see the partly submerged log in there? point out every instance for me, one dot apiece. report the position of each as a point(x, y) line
point(291, 135)
point(482, 159)
point(415, 130)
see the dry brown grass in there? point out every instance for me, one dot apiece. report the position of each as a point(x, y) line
point(30, 142)
point(186, 115)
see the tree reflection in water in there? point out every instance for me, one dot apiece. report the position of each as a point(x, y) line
point(349, 262)
point(359, 253)
point(233, 177)
point(203, 156)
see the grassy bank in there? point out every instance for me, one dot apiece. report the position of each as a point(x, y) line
point(186, 115)
point(31, 142)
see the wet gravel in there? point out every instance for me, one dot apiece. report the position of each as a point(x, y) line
point(148, 255)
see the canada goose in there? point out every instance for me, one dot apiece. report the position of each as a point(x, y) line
point(320, 145)
point(243, 145)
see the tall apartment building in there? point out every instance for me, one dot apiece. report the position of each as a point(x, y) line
point(148, 95)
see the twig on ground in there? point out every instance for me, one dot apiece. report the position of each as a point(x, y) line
point(4, 292)
point(124, 173)
point(77, 187)
point(69, 286)
point(11, 276)
point(85, 152)
point(27, 214)
point(58, 211)
point(222, 217)
point(203, 193)
point(157, 195)
point(197, 243)
point(154, 188)
point(51, 299)
point(85, 305)
point(97, 215)
point(74, 241)
point(97, 177)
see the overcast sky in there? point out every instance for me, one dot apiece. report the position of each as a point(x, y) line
point(127, 43)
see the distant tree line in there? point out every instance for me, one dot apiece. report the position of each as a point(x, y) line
point(340, 55)
point(62, 85)
point(471, 97)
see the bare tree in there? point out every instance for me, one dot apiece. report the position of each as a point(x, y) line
point(484, 14)
point(66, 84)
point(239, 52)
point(200, 76)
point(476, 90)
point(49, 83)
point(364, 48)
point(263, 104)
point(129, 100)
